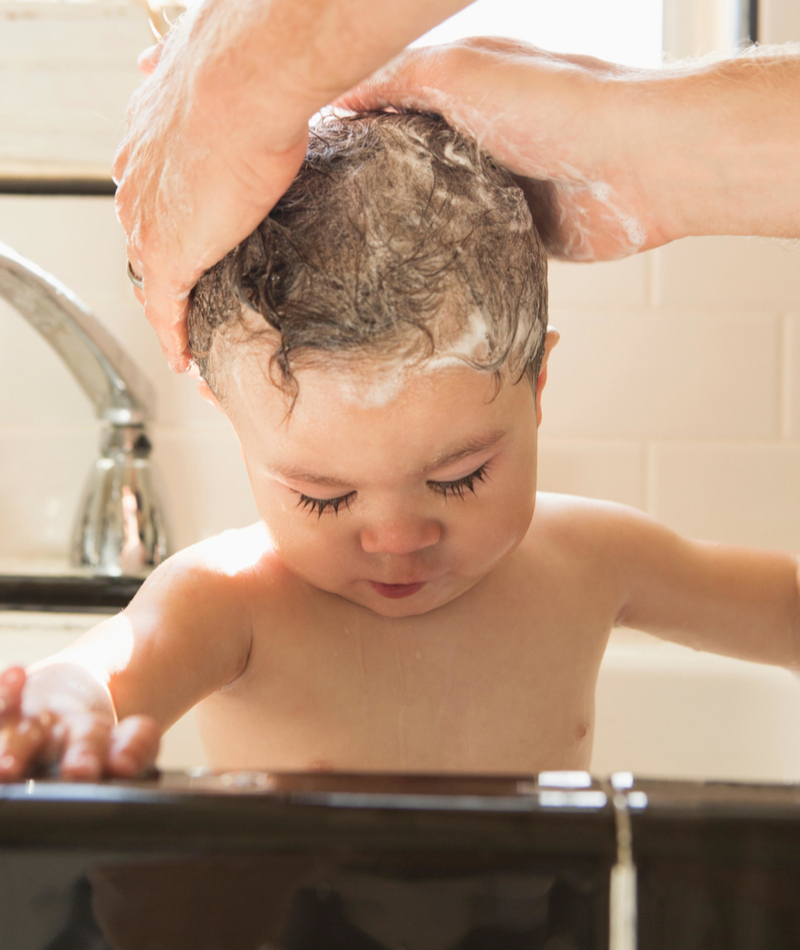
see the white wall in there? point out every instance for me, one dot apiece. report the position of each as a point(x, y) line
point(48, 435)
point(675, 388)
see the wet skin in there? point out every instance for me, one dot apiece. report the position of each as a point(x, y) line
point(299, 654)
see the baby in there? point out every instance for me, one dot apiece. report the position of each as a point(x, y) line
point(407, 602)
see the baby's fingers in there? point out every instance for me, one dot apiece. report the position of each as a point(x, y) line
point(21, 745)
point(12, 681)
point(86, 745)
point(134, 746)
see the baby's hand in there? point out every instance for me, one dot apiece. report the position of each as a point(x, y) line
point(79, 744)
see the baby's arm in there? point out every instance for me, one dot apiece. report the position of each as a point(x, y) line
point(100, 706)
point(738, 601)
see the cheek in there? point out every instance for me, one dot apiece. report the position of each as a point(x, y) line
point(506, 519)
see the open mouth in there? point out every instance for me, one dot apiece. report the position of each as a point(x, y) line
point(395, 591)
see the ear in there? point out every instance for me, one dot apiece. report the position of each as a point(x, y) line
point(205, 391)
point(550, 340)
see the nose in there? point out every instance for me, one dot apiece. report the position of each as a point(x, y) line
point(400, 535)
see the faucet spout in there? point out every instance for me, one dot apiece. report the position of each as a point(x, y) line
point(119, 392)
point(119, 528)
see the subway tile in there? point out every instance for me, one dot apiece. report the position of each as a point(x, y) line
point(739, 494)
point(74, 34)
point(78, 240)
point(42, 473)
point(614, 471)
point(665, 375)
point(727, 272)
point(614, 284)
point(791, 375)
point(202, 482)
point(87, 99)
point(36, 388)
point(33, 383)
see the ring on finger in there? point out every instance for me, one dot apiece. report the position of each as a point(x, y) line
point(133, 277)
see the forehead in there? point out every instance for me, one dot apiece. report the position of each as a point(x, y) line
point(384, 415)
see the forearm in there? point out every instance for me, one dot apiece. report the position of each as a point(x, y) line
point(616, 160)
point(288, 58)
point(717, 145)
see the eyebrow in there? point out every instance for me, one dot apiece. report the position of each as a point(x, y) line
point(449, 457)
point(479, 444)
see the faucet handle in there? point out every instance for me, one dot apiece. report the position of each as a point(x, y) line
point(119, 529)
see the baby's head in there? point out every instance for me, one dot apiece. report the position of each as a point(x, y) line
point(394, 299)
point(399, 243)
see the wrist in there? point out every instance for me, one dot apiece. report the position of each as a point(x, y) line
point(715, 146)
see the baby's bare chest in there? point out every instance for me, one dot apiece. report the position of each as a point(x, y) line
point(500, 683)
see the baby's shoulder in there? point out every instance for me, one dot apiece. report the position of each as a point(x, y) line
point(584, 525)
point(230, 565)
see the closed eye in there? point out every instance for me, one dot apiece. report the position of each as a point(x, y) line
point(460, 486)
point(323, 504)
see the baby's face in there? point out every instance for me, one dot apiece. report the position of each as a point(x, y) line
point(398, 496)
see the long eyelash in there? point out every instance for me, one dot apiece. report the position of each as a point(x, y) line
point(320, 504)
point(461, 485)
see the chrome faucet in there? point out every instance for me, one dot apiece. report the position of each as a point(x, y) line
point(119, 528)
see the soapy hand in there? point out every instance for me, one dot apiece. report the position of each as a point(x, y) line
point(616, 160)
point(71, 733)
point(550, 120)
point(202, 163)
point(218, 130)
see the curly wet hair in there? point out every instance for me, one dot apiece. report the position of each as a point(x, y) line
point(395, 234)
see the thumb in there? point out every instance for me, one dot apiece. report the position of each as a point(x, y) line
point(395, 84)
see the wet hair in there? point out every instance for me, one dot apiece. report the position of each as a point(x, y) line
point(398, 239)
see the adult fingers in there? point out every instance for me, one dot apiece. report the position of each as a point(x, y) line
point(396, 84)
point(168, 319)
point(134, 746)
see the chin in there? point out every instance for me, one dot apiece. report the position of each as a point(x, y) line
point(415, 605)
point(398, 609)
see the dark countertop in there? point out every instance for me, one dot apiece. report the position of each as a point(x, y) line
point(301, 861)
point(66, 593)
point(203, 809)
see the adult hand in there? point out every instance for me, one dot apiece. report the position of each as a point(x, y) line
point(218, 130)
point(64, 722)
point(195, 175)
point(616, 160)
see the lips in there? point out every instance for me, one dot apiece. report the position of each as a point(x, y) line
point(395, 591)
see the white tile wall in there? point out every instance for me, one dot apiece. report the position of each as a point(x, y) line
point(675, 388)
point(663, 374)
point(728, 273)
point(67, 71)
point(746, 493)
point(48, 434)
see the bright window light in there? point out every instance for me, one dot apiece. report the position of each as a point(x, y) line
point(622, 31)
